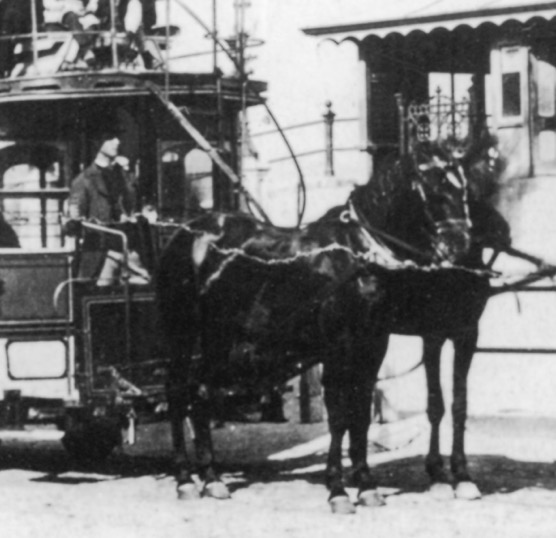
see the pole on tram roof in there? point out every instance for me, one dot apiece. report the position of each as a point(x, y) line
point(167, 66)
point(113, 34)
point(34, 30)
point(214, 36)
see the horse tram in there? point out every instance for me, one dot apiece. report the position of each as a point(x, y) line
point(80, 349)
point(81, 314)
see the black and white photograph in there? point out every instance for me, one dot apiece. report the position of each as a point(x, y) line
point(279, 268)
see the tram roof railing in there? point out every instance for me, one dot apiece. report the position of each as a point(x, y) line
point(50, 62)
point(36, 45)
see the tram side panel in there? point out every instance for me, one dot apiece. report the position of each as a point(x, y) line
point(66, 344)
point(36, 337)
point(118, 353)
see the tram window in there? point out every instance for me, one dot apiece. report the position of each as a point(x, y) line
point(186, 185)
point(198, 167)
point(45, 359)
point(511, 94)
point(27, 207)
point(173, 185)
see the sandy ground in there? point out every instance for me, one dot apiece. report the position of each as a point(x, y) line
point(275, 473)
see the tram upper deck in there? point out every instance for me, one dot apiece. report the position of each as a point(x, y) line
point(69, 68)
point(73, 48)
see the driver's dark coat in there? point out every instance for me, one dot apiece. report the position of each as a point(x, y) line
point(91, 198)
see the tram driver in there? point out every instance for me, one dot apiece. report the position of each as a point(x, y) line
point(105, 192)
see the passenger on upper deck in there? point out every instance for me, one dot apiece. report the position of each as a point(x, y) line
point(84, 49)
point(138, 17)
point(105, 191)
point(15, 18)
point(78, 17)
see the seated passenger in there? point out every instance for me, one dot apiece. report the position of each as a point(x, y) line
point(138, 18)
point(15, 18)
point(76, 17)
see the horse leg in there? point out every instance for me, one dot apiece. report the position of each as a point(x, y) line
point(440, 487)
point(366, 373)
point(178, 401)
point(200, 416)
point(215, 344)
point(336, 392)
point(464, 347)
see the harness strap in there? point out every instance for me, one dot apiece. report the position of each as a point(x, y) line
point(363, 221)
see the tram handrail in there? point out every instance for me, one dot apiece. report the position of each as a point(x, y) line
point(104, 229)
point(125, 278)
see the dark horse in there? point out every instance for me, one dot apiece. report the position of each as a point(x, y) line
point(243, 302)
point(440, 304)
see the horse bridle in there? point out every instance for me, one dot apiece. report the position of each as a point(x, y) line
point(439, 227)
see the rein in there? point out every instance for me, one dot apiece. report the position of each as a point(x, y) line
point(346, 216)
point(305, 305)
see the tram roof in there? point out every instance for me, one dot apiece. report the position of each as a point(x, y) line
point(102, 85)
point(356, 20)
point(43, 107)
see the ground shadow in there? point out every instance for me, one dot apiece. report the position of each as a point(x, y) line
point(53, 462)
point(243, 454)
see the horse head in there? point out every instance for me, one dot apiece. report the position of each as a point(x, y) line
point(481, 160)
point(442, 188)
point(418, 206)
point(483, 164)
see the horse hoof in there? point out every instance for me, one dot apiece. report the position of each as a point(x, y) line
point(216, 490)
point(370, 498)
point(467, 491)
point(441, 491)
point(188, 492)
point(341, 505)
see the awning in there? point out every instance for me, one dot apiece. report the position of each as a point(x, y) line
point(357, 20)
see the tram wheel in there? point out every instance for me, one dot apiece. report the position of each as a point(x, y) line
point(93, 440)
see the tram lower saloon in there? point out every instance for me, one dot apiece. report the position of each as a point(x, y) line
point(84, 97)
